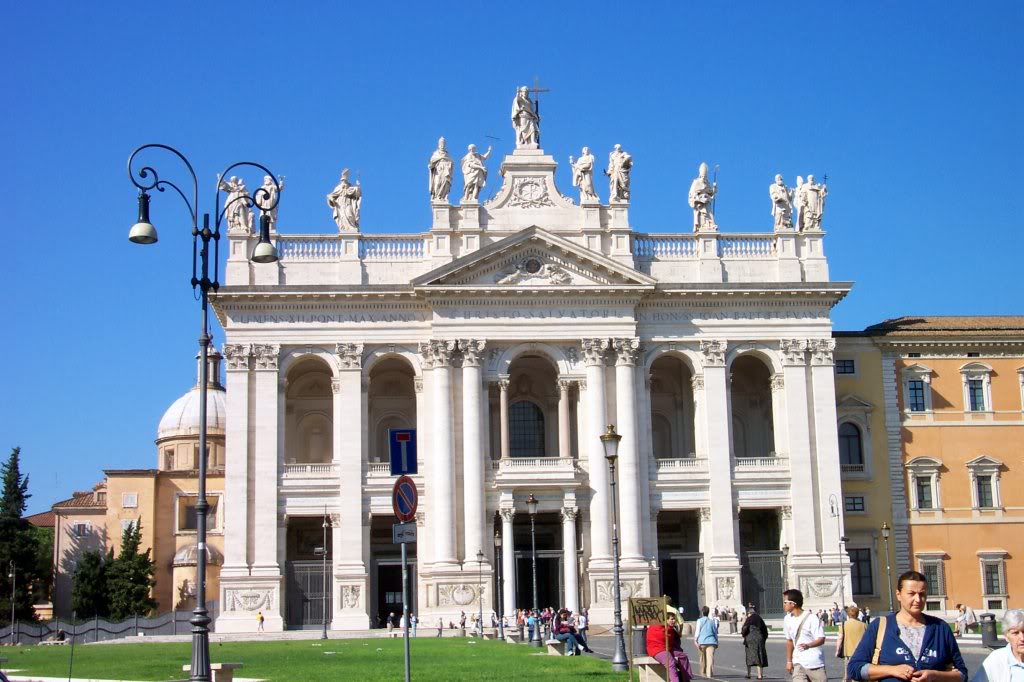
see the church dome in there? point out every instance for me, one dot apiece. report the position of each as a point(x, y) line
point(182, 417)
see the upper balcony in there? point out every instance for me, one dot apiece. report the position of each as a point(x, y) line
point(537, 471)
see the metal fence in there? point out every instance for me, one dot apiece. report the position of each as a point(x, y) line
point(103, 630)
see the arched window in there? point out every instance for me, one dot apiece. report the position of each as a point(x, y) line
point(525, 430)
point(851, 454)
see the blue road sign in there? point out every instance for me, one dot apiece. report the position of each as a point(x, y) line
point(402, 446)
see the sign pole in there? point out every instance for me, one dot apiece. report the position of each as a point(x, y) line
point(405, 608)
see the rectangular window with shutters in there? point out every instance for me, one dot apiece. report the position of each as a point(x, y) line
point(854, 503)
point(861, 572)
point(915, 395)
point(983, 484)
point(924, 492)
point(129, 500)
point(81, 528)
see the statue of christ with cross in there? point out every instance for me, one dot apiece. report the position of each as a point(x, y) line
point(526, 118)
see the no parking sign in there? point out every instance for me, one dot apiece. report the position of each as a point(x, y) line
point(404, 498)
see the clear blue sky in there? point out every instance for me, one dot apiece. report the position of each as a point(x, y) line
point(913, 109)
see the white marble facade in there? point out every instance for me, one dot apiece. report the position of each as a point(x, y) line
point(711, 352)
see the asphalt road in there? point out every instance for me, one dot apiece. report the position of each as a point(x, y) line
point(730, 659)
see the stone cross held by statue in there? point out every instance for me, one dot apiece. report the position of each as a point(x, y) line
point(536, 90)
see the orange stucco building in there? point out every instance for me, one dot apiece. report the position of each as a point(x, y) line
point(954, 390)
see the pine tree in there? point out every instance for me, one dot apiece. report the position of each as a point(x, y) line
point(130, 577)
point(89, 586)
point(18, 544)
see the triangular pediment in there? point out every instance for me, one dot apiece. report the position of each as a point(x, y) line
point(852, 402)
point(534, 258)
point(985, 462)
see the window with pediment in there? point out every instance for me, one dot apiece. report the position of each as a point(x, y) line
point(976, 378)
point(854, 414)
point(984, 473)
point(924, 473)
point(917, 388)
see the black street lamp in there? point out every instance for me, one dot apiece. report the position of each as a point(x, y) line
point(480, 581)
point(531, 506)
point(143, 232)
point(888, 568)
point(610, 440)
point(12, 576)
point(323, 632)
point(498, 559)
point(785, 567)
point(833, 503)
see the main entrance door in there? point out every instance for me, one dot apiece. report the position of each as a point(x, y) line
point(306, 598)
point(549, 579)
point(682, 579)
point(762, 581)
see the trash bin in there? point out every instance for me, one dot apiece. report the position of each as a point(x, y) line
point(988, 632)
point(639, 642)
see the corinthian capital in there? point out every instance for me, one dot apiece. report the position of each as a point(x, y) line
point(443, 350)
point(594, 350)
point(350, 355)
point(713, 351)
point(507, 514)
point(266, 355)
point(626, 350)
point(794, 351)
point(472, 352)
point(821, 351)
point(237, 355)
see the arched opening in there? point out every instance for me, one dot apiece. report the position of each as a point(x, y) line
point(532, 409)
point(308, 409)
point(751, 400)
point(392, 403)
point(672, 409)
point(851, 448)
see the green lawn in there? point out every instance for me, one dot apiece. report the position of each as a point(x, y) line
point(342, 659)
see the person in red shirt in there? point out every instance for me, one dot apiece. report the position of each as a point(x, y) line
point(675, 660)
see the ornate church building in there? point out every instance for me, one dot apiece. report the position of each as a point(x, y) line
point(509, 336)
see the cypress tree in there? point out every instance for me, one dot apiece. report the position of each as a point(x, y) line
point(130, 578)
point(18, 543)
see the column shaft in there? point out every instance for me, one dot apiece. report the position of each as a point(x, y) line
point(503, 397)
point(508, 563)
point(600, 514)
point(348, 457)
point(236, 466)
point(442, 500)
point(570, 577)
point(629, 455)
point(472, 449)
point(564, 437)
point(717, 424)
point(826, 442)
point(266, 464)
point(799, 438)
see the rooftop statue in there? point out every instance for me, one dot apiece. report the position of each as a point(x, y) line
point(525, 119)
point(620, 165)
point(701, 197)
point(583, 176)
point(440, 166)
point(474, 173)
point(266, 198)
point(346, 200)
point(812, 204)
point(238, 205)
point(782, 204)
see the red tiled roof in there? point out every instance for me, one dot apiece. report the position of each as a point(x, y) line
point(46, 519)
point(79, 501)
point(988, 326)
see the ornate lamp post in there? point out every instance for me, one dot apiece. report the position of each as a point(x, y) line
point(610, 440)
point(143, 232)
point(497, 560)
point(531, 506)
point(833, 503)
point(888, 568)
point(785, 567)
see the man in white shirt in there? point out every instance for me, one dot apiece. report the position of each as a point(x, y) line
point(805, 636)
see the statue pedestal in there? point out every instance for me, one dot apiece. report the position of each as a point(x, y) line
point(442, 215)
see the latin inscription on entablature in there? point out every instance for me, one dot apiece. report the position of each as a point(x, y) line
point(698, 316)
point(525, 313)
point(356, 317)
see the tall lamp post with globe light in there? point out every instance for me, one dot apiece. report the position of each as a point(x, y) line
point(610, 440)
point(888, 567)
point(497, 560)
point(833, 503)
point(145, 179)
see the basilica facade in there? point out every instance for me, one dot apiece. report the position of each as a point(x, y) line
point(509, 336)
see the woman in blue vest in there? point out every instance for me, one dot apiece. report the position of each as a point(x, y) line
point(913, 646)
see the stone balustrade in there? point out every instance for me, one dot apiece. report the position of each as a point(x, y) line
point(319, 469)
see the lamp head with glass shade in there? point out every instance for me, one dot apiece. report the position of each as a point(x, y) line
point(531, 504)
point(265, 252)
point(142, 231)
point(497, 540)
point(885, 529)
point(610, 440)
point(479, 556)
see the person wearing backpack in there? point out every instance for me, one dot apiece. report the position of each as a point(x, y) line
point(805, 635)
point(908, 646)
